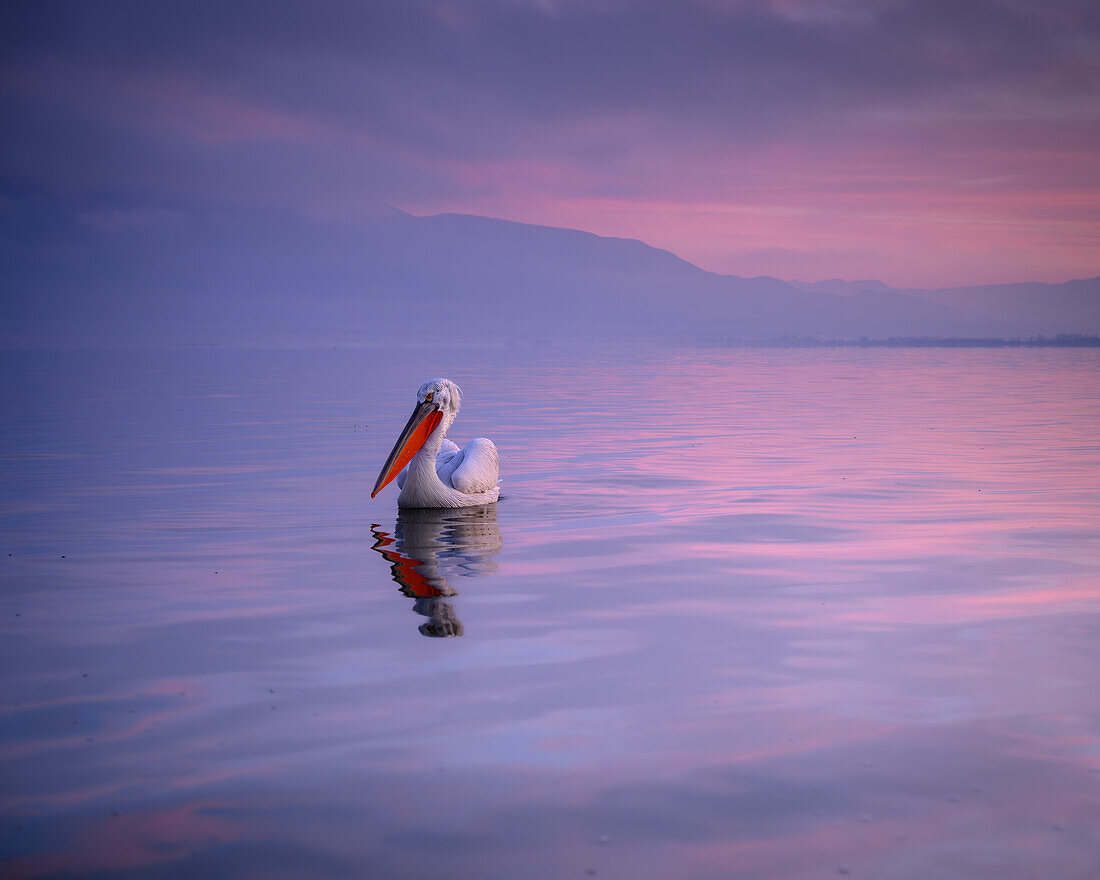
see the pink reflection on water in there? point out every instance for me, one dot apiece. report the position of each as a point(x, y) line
point(130, 841)
point(939, 609)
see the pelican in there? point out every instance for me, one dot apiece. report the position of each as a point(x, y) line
point(439, 473)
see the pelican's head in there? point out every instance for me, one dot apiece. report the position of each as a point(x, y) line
point(442, 393)
point(436, 401)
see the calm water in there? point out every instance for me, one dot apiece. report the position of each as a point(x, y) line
point(760, 614)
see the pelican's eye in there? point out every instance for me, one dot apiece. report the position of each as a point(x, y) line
point(428, 399)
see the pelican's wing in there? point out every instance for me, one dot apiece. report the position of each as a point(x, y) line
point(447, 450)
point(479, 469)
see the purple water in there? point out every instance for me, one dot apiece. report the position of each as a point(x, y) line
point(751, 613)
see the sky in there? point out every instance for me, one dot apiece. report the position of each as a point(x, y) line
point(923, 142)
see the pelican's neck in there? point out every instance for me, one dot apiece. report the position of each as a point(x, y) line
point(423, 488)
point(423, 485)
point(430, 449)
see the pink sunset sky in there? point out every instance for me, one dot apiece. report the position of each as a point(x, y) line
point(924, 143)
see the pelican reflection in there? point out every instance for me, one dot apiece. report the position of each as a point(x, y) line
point(431, 547)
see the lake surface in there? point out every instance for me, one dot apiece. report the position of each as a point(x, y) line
point(739, 614)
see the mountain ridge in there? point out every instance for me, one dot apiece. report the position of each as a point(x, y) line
point(235, 276)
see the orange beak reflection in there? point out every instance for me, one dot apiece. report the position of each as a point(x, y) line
point(421, 423)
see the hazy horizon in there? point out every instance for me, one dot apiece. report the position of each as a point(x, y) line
point(270, 276)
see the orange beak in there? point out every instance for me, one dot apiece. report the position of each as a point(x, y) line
point(421, 423)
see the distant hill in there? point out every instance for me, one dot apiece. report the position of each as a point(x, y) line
point(1072, 307)
point(841, 287)
point(266, 277)
point(1024, 308)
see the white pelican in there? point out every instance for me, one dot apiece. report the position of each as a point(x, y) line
point(440, 474)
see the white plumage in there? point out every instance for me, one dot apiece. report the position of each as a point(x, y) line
point(440, 474)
